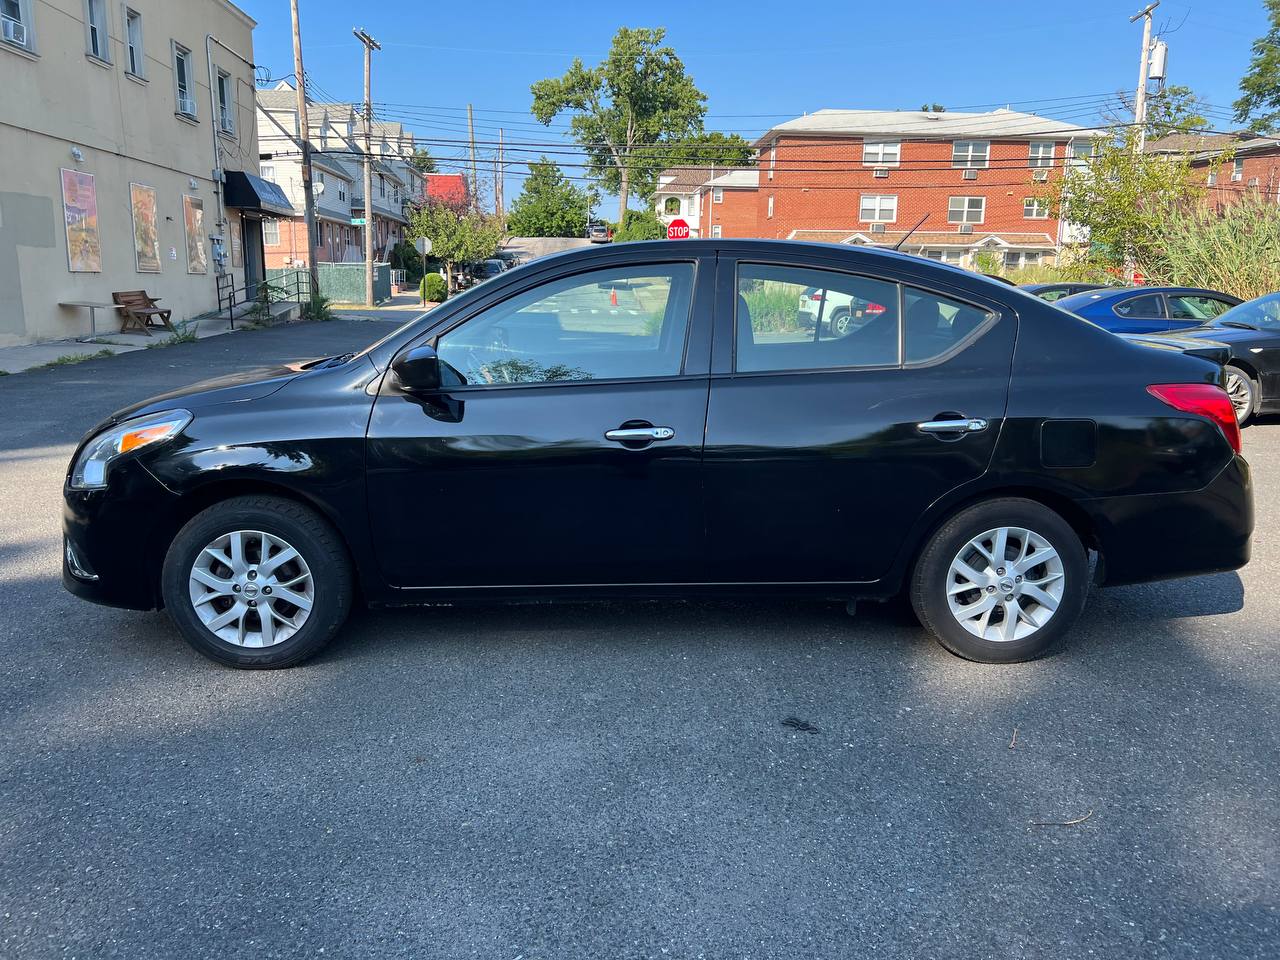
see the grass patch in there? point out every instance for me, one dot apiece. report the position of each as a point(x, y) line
point(73, 358)
point(186, 334)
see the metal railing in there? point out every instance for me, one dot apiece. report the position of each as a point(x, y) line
point(292, 286)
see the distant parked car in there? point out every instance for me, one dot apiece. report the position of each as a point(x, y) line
point(598, 232)
point(1251, 333)
point(838, 312)
point(1056, 291)
point(1148, 309)
point(488, 269)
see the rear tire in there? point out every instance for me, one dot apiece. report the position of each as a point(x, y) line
point(234, 571)
point(1243, 391)
point(1001, 582)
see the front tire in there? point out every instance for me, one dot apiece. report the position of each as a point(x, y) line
point(257, 582)
point(1001, 581)
point(1243, 391)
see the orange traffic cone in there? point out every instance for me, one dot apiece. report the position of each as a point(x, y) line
point(613, 297)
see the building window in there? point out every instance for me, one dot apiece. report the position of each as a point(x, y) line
point(1081, 152)
point(95, 23)
point(671, 206)
point(1237, 169)
point(1041, 154)
point(382, 186)
point(1213, 178)
point(881, 153)
point(878, 208)
point(226, 103)
point(966, 209)
point(1034, 208)
point(717, 195)
point(342, 191)
point(715, 229)
point(137, 61)
point(944, 256)
point(267, 171)
point(773, 157)
point(320, 177)
point(769, 212)
point(1021, 258)
point(184, 84)
point(271, 233)
point(15, 17)
point(970, 154)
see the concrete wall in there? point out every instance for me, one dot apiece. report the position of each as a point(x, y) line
point(127, 130)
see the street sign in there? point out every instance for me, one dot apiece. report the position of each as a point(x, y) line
point(357, 222)
point(677, 230)
point(422, 245)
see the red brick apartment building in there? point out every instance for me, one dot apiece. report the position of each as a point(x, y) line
point(868, 177)
point(1230, 164)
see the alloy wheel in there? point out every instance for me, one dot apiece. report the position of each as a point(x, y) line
point(1241, 394)
point(251, 589)
point(1005, 584)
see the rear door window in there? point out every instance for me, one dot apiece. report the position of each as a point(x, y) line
point(1146, 307)
point(935, 324)
point(797, 318)
point(1195, 307)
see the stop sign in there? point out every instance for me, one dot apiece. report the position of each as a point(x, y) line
point(677, 230)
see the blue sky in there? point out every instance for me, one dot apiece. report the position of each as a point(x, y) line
point(758, 63)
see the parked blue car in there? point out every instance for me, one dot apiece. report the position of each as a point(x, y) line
point(1148, 309)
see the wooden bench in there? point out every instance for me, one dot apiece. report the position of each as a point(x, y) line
point(140, 310)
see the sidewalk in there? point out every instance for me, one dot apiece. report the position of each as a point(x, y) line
point(404, 303)
point(51, 353)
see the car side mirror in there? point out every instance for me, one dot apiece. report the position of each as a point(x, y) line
point(418, 369)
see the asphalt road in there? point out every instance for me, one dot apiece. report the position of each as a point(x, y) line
point(617, 781)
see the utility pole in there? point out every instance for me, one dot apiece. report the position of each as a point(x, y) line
point(475, 177)
point(370, 45)
point(1140, 99)
point(497, 184)
point(304, 132)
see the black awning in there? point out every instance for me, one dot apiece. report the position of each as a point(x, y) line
point(244, 191)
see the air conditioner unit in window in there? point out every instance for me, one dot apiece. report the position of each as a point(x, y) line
point(1040, 176)
point(877, 228)
point(882, 171)
point(966, 228)
point(971, 174)
point(187, 106)
point(1253, 181)
point(15, 31)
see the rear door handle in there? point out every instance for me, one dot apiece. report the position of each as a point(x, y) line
point(624, 434)
point(953, 427)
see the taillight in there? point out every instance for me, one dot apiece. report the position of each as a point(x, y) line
point(815, 296)
point(875, 309)
point(1205, 399)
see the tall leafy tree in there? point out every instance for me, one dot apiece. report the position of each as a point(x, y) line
point(423, 161)
point(1175, 109)
point(456, 235)
point(1259, 103)
point(722, 149)
point(636, 98)
point(548, 205)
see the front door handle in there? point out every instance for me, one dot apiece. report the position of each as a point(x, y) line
point(957, 427)
point(641, 434)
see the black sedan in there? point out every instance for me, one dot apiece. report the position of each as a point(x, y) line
point(1252, 332)
point(1056, 291)
point(650, 419)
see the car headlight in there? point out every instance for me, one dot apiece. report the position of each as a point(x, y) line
point(90, 469)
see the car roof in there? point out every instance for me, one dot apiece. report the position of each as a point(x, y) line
point(1110, 294)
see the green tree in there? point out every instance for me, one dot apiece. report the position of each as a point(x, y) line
point(624, 107)
point(423, 161)
point(548, 205)
point(1259, 103)
point(932, 108)
point(1175, 109)
point(456, 236)
point(640, 225)
point(722, 149)
point(1122, 196)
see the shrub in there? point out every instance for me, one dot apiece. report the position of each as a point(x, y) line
point(1232, 249)
point(640, 225)
point(433, 288)
point(317, 308)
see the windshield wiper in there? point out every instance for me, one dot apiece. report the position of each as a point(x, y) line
point(1238, 324)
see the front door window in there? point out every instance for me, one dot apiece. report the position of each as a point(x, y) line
point(621, 323)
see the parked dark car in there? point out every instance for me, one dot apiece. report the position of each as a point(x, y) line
point(1056, 291)
point(1148, 309)
point(649, 419)
point(1251, 333)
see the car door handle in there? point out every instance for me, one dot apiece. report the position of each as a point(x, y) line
point(953, 427)
point(643, 434)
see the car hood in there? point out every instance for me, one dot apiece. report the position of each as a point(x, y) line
point(1202, 347)
point(1212, 331)
point(231, 388)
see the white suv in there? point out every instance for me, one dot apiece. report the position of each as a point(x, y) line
point(840, 313)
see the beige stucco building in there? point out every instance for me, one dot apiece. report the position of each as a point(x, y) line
point(126, 133)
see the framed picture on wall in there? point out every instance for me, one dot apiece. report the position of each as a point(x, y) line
point(193, 221)
point(237, 251)
point(146, 231)
point(80, 212)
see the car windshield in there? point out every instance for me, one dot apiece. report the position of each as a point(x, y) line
point(1263, 313)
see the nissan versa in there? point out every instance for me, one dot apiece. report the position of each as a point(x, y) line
point(653, 419)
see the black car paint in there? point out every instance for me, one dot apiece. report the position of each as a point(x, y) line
point(1255, 351)
point(780, 481)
